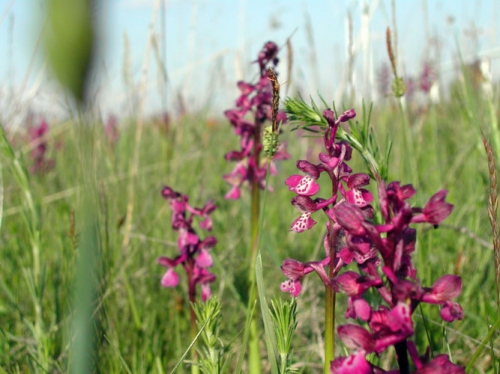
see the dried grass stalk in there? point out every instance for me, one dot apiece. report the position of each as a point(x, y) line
point(493, 210)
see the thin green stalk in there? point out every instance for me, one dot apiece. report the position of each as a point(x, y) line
point(194, 336)
point(133, 306)
point(329, 328)
point(408, 145)
point(87, 279)
point(190, 348)
point(254, 363)
point(270, 335)
point(193, 327)
point(253, 344)
point(330, 299)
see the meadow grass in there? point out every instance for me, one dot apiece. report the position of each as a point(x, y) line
point(142, 327)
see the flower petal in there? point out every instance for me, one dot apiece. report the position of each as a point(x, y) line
point(399, 319)
point(451, 311)
point(292, 287)
point(359, 197)
point(204, 260)
point(437, 209)
point(303, 223)
point(302, 185)
point(205, 292)
point(354, 364)
point(445, 288)
point(233, 194)
point(293, 269)
point(170, 278)
point(356, 337)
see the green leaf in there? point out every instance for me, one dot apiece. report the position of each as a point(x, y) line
point(69, 43)
point(492, 330)
point(267, 317)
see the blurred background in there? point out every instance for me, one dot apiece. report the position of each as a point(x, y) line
point(187, 55)
point(165, 73)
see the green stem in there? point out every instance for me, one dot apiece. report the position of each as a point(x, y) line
point(253, 344)
point(408, 146)
point(329, 328)
point(83, 350)
point(330, 299)
point(283, 363)
point(194, 331)
point(193, 327)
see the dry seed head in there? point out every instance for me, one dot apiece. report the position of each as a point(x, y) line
point(390, 51)
point(271, 75)
point(493, 211)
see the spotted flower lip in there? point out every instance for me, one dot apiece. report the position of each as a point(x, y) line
point(295, 270)
point(302, 185)
point(293, 287)
point(302, 223)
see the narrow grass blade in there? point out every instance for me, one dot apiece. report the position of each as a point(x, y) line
point(246, 336)
point(270, 335)
point(119, 355)
point(189, 348)
point(493, 330)
point(1, 195)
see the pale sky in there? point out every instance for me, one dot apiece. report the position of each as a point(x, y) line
point(209, 44)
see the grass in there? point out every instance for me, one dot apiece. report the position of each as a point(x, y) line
point(142, 327)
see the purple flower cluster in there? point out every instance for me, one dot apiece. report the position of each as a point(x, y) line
point(427, 78)
point(253, 108)
point(352, 236)
point(384, 80)
point(111, 130)
point(39, 152)
point(194, 256)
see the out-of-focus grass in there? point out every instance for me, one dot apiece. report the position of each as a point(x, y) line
point(141, 324)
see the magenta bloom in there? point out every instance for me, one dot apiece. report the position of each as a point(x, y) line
point(382, 250)
point(111, 130)
point(427, 78)
point(436, 210)
point(194, 254)
point(394, 242)
point(253, 109)
point(39, 152)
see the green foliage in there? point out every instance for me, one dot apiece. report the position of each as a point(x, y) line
point(284, 315)
point(398, 87)
point(270, 141)
point(69, 42)
point(270, 333)
point(448, 154)
point(208, 319)
point(361, 135)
